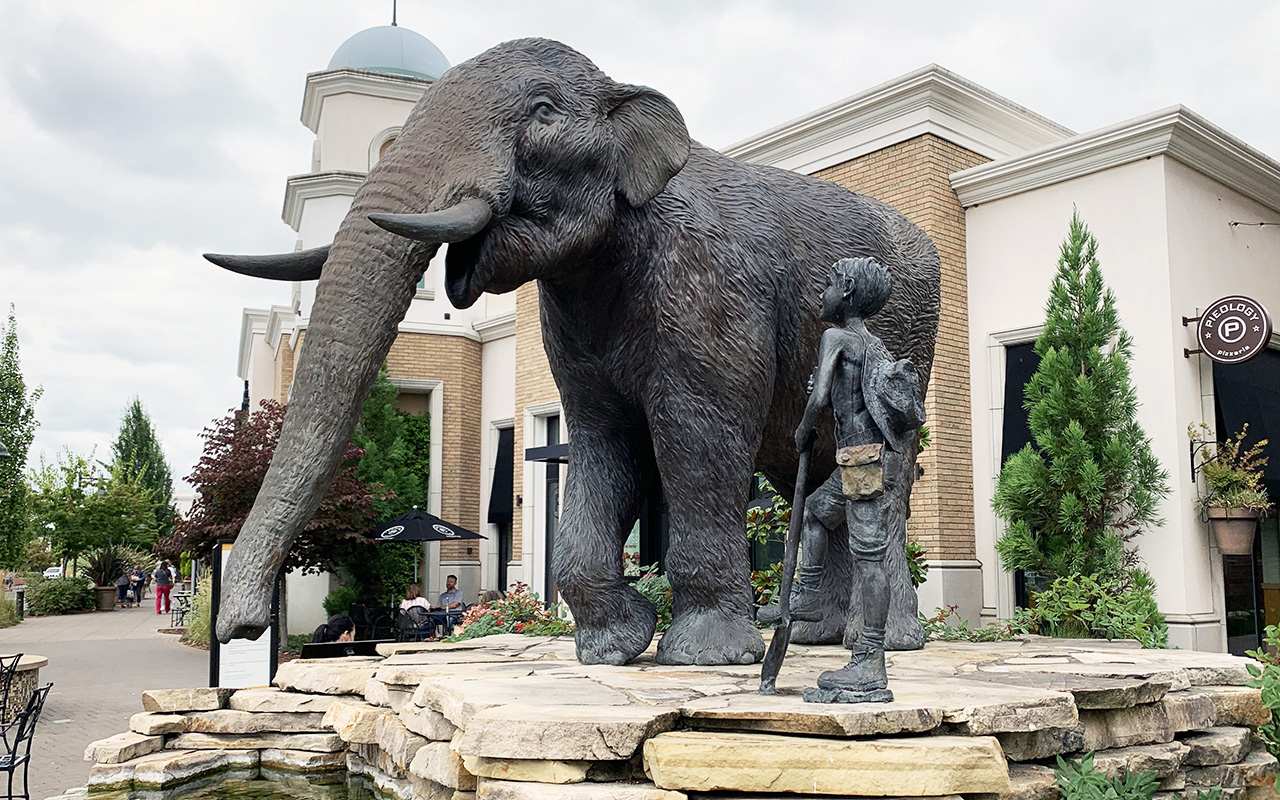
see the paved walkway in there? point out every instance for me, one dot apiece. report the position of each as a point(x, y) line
point(100, 664)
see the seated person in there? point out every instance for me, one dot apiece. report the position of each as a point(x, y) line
point(413, 597)
point(339, 628)
point(490, 596)
point(451, 598)
point(122, 588)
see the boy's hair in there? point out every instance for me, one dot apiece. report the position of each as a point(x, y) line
point(867, 280)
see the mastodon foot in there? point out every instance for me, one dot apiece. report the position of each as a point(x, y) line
point(244, 615)
point(619, 635)
point(710, 637)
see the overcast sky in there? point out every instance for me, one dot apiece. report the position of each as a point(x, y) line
point(136, 134)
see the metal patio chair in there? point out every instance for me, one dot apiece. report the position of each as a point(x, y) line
point(17, 736)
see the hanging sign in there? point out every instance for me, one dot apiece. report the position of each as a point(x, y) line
point(1234, 329)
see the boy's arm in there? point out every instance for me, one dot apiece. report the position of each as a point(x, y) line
point(820, 397)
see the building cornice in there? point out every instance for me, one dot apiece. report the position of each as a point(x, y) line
point(1176, 132)
point(928, 100)
point(253, 322)
point(327, 83)
point(496, 327)
point(298, 189)
point(439, 329)
point(282, 321)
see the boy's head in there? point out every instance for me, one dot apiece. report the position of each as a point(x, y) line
point(864, 285)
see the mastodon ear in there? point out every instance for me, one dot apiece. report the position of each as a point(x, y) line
point(652, 141)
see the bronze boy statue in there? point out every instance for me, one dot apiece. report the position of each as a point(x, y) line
point(878, 409)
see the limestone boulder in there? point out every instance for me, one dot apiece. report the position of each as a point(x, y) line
point(1036, 745)
point(1218, 746)
point(1162, 759)
point(327, 676)
point(1257, 769)
point(354, 720)
point(122, 747)
point(392, 696)
point(1029, 782)
point(242, 722)
point(790, 714)
point(889, 767)
point(396, 741)
point(1237, 705)
point(461, 697)
point(439, 763)
point(493, 789)
point(427, 723)
point(1189, 711)
point(1126, 727)
point(150, 724)
point(564, 733)
point(274, 700)
point(313, 742)
point(176, 701)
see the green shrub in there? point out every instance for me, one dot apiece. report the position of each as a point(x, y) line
point(8, 613)
point(916, 564)
point(519, 612)
point(59, 596)
point(295, 643)
point(1077, 780)
point(1082, 607)
point(947, 626)
point(200, 617)
point(340, 600)
point(657, 590)
point(1267, 678)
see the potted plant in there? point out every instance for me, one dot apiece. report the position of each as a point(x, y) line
point(105, 565)
point(1234, 497)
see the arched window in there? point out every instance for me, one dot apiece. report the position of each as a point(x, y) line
point(379, 144)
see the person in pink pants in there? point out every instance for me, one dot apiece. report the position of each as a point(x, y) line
point(164, 584)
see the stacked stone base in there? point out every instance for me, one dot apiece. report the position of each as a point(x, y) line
point(517, 718)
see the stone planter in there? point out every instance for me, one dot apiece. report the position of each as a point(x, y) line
point(106, 597)
point(1233, 529)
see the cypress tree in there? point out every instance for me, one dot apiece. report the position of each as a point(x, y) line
point(1089, 483)
point(140, 457)
point(17, 431)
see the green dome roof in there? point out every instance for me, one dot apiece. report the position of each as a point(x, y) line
point(390, 48)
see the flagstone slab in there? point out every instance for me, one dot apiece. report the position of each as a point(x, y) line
point(1189, 711)
point(327, 675)
point(492, 789)
point(1257, 769)
point(276, 700)
point(428, 723)
point(1218, 746)
point(317, 742)
point(1163, 759)
point(397, 741)
point(566, 733)
point(1126, 727)
point(1237, 706)
point(528, 770)
point(392, 696)
point(1028, 782)
point(122, 747)
point(167, 768)
point(791, 714)
point(301, 760)
point(241, 722)
point(986, 708)
point(1089, 691)
point(170, 701)
point(460, 699)
point(1035, 745)
point(154, 724)
point(891, 767)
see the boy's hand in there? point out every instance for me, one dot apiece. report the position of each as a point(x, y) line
point(804, 437)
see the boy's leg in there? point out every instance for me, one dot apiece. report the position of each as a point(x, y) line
point(823, 511)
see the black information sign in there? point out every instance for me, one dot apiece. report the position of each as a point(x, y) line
point(1234, 329)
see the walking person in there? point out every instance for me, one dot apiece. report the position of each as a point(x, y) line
point(164, 584)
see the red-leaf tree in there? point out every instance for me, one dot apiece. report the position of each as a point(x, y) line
point(237, 452)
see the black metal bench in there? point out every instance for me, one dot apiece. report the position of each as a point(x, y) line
point(179, 610)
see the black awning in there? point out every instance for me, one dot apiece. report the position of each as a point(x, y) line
point(549, 454)
point(500, 494)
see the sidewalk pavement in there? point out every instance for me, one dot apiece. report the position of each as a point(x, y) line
point(100, 664)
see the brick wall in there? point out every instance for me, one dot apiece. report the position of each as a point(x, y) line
point(534, 386)
point(913, 177)
point(284, 368)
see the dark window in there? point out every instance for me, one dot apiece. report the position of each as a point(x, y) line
point(552, 511)
point(501, 500)
point(1020, 363)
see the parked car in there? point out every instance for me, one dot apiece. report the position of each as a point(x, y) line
point(53, 572)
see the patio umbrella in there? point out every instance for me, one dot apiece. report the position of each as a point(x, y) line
point(418, 526)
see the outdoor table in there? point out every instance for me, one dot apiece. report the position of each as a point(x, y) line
point(25, 680)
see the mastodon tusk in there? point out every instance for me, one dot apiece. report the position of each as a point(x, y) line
point(301, 266)
point(453, 224)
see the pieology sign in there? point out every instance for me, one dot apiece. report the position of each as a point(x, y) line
point(1234, 329)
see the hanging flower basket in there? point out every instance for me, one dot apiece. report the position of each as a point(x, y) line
point(1233, 529)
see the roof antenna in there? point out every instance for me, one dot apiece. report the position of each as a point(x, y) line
point(393, 13)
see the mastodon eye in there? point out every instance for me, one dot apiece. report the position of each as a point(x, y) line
point(543, 111)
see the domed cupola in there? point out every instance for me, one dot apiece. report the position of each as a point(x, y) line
point(391, 48)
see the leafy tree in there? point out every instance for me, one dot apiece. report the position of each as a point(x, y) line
point(237, 452)
point(138, 451)
point(79, 507)
point(396, 455)
point(17, 430)
point(1089, 483)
